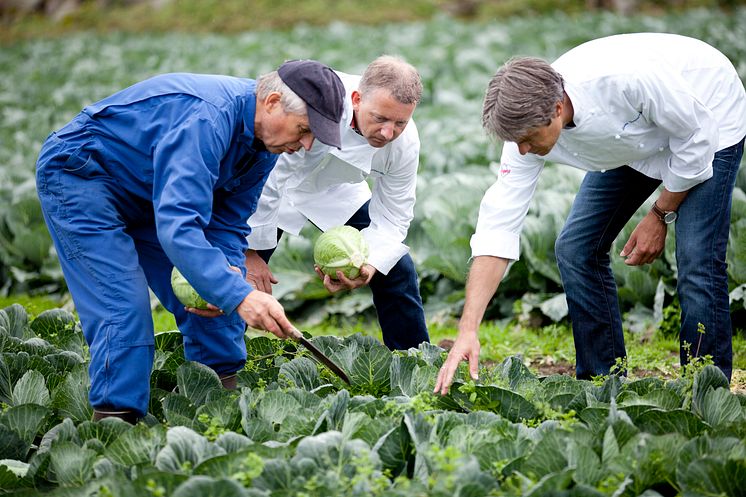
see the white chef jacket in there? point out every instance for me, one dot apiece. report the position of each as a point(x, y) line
point(662, 104)
point(327, 186)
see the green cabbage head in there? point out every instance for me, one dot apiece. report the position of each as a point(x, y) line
point(341, 248)
point(184, 291)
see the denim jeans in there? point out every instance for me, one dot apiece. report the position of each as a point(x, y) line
point(396, 296)
point(604, 204)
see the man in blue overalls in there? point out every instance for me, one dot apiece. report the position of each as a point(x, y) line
point(166, 173)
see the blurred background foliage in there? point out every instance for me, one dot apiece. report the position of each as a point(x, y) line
point(59, 56)
point(22, 19)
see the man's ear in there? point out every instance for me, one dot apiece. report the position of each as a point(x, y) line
point(558, 108)
point(272, 101)
point(356, 98)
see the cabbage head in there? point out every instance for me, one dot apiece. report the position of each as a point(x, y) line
point(341, 248)
point(184, 291)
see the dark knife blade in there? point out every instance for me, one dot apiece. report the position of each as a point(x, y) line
point(297, 335)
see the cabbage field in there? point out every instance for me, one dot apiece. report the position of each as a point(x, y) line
point(46, 82)
point(292, 428)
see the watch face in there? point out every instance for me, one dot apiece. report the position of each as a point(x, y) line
point(670, 217)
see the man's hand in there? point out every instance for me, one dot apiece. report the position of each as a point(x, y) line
point(646, 243)
point(212, 311)
point(258, 273)
point(262, 311)
point(466, 348)
point(344, 283)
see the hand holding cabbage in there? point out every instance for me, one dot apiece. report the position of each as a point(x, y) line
point(341, 255)
point(260, 310)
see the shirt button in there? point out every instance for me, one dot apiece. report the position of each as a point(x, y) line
point(641, 145)
point(574, 154)
point(617, 137)
point(661, 149)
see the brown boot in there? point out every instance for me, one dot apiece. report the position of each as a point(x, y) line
point(229, 380)
point(123, 414)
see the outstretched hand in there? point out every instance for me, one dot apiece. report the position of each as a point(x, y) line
point(466, 348)
point(343, 282)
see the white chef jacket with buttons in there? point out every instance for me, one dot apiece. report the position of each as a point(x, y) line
point(662, 104)
point(327, 186)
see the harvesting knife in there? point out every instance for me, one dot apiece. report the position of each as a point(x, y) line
point(297, 335)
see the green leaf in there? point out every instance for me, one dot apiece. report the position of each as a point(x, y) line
point(30, 389)
point(14, 320)
point(275, 406)
point(195, 380)
point(72, 465)
point(713, 476)
point(138, 445)
point(394, 449)
point(302, 373)
point(705, 446)
point(648, 459)
point(54, 324)
point(5, 381)
point(222, 408)
point(179, 410)
point(331, 450)
point(508, 404)
point(12, 445)
point(549, 455)
point(200, 486)
point(711, 377)
point(370, 371)
point(71, 397)
point(105, 431)
point(659, 422)
point(25, 420)
point(185, 450)
point(277, 477)
point(12, 473)
point(721, 407)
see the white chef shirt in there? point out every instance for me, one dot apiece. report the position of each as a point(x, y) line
point(662, 104)
point(327, 186)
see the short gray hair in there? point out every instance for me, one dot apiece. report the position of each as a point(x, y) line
point(392, 74)
point(522, 95)
point(290, 101)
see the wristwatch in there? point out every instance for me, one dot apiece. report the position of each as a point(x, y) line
point(666, 217)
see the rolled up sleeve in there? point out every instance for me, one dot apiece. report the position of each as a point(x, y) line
point(668, 101)
point(505, 205)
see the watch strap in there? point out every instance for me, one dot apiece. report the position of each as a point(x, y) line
point(661, 214)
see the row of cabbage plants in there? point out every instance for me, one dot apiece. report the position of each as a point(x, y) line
point(294, 429)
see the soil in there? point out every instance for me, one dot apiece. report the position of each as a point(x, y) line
point(545, 367)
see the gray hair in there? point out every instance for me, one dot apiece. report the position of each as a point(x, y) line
point(395, 75)
point(290, 101)
point(522, 95)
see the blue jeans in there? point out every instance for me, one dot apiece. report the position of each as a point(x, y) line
point(396, 296)
point(604, 204)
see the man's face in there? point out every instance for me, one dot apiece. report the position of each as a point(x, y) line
point(541, 140)
point(283, 132)
point(380, 117)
